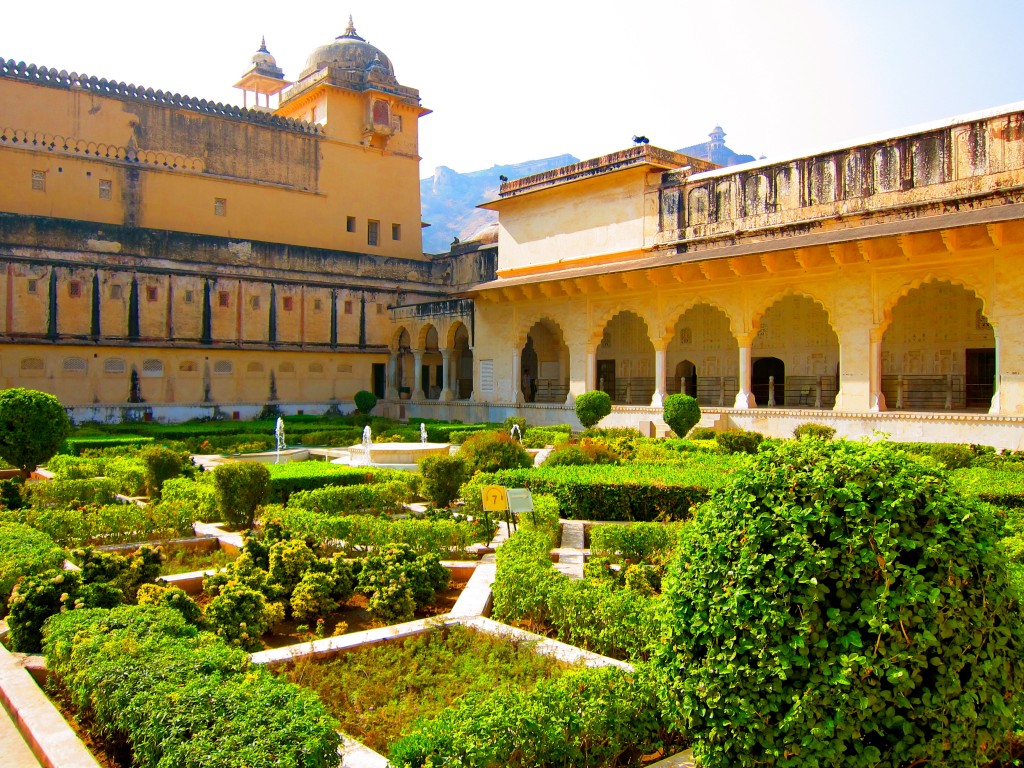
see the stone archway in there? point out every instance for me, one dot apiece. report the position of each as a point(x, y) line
point(938, 352)
point(461, 363)
point(625, 360)
point(544, 361)
point(702, 336)
point(796, 331)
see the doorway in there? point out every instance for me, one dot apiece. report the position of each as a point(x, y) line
point(766, 368)
point(606, 377)
point(981, 378)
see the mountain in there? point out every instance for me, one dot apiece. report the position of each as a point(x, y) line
point(449, 199)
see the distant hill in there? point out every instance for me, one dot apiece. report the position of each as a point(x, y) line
point(449, 198)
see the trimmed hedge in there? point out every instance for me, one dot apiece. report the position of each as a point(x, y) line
point(70, 493)
point(74, 446)
point(648, 492)
point(145, 677)
point(24, 551)
point(110, 523)
point(286, 479)
point(1000, 487)
point(351, 499)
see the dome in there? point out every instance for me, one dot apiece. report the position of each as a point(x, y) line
point(352, 53)
point(262, 58)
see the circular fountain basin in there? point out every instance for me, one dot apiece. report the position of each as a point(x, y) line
point(404, 455)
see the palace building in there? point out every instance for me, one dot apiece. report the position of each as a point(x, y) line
point(166, 257)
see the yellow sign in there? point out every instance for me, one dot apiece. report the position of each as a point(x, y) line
point(494, 498)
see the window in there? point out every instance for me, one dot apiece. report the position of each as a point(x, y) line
point(254, 302)
point(116, 291)
point(396, 231)
point(32, 364)
point(222, 368)
point(317, 305)
point(223, 299)
point(75, 365)
point(380, 308)
point(189, 297)
point(114, 366)
point(33, 286)
point(372, 232)
point(106, 189)
point(151, 293)
point(316, 368)
point(152, 368)
point(288, 369)
point(74, 289)
point(252, 368)
point(188, 366)
point(350, 224)
point(312, 114)
point(348, 307)
point(287, 303)
point(38, 181)
point(342, 368)
point(396, 123)
point(220, 206)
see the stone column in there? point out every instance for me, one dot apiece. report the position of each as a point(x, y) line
point(392, 375)
point(517, 377)
point(995, 406)
point(417, 375)
point(744, 397)
point(446, 375)
point(563, 372)
point(877, 397)
point(591, 370)
point(660, 385)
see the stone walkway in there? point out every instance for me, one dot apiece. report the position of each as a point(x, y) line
point(13, 748)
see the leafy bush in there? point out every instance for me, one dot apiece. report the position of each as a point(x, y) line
point(398, 582)
point(124, 573)
point(111, 523)
point(34, 600)
point(286, 479)
point(144, 677)
point(374, 498)
point(365, 401)
point(540, 437)
point(313, 596)
point(817, 431)
point(128, 474)
point(739, 441)
point(241, 488)
point(443, 476)
point(841, 589)
point(586, 451)
point(491, 451)
point(703, 433)
point(951, 455)
point(543, 518)
point(682, 413)
point(33, 426)
point(24, 551)
point(240, 615)
point(170, 597)
point(161, 464)
point(593, 406)
point(70, 493)
point(199, 496)
point(77, 445)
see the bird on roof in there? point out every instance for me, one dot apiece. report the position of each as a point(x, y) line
point(641, 140)
point(503, 177)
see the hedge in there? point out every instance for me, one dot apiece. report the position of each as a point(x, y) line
point(24, 551)
point(1000, 487)
point(199, 495)
point(286, 479)
point(615, 493)
point(142, 675)
point(351, 499)
point(110, 523)
point(75, 445)
point(70, 493)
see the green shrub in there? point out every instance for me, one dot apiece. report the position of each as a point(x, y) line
point(11, 493)
point(443, 476)
point(491, 451)
point(111, 523)
point(124, 573)
point(543, 518)
point(739, 441)
point(541, 437)
point(128, 474)
point(77, 445)
point(593, 406)
point(162, 464)
point(682, 413)
point(170, 597)
point(199, 496)
point(817, 431)
point(951, 455)
point(313, 596)
point(66, 467)
point(24, 551)
point(365, 401)
point(179, 698)
point(511, 421)
point(33, 426)
point(398, 581)
point(703, 433)
point(844, 590)
point(352, 499)
point(34, 600)
point(240, 615)
point(288, 561)
point(586, 451)
point(286, 479)
point(71, 493)
point(241, 489)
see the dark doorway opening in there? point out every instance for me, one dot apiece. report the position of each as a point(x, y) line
point(766, 368)
point(980, 381)
point(686, 378)
point(380, 383)
point(606, 377)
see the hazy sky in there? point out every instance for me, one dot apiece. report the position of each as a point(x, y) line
point(527, 79)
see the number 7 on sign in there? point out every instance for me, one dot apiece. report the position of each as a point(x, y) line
point(494, 499)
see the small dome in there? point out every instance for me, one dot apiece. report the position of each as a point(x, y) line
point(262, 57)
point(352, 53)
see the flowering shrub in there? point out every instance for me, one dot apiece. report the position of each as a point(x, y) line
point(398, 582)
point(24, 551)
point(491, 451)
point(170, 597)
point(240, 615)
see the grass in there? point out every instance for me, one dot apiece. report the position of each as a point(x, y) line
point(377, 693)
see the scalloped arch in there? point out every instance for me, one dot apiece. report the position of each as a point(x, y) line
point(538, 316)
point(921, 282)
point(396, 338)
point(758, 316)
point(673, 317)
point(453, 329)
point(610, 314)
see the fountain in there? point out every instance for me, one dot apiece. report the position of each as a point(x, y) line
point(395, 455)
point(279, 438)
point(423, 432)
point(512, 433)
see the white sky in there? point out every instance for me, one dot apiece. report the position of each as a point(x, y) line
point(529, 79)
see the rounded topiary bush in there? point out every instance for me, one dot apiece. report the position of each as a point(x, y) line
point(593, 406)
point(839, 604)
point(365, 401)
point(682, 413)
point(816, 431)
point(491, 451)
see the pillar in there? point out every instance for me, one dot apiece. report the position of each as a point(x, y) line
point(877, 398)
point(563, 372)
point(744, 397)
point(446, 375)
point(417, 375)
point(591, 370)
point(517, 377)
point(995, 406)
point(392, 375)
point(660, 385)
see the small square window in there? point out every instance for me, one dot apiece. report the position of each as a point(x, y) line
point(220, 206)
point(254, 302)
point(380, 309)
point(312, 114)
point(396, 231)
point(348, 307)
point(288, 303)
point(74, 289)
point(372, 232)
point(317, 305)
point(151, 293)
point(396, 123)
point(223, 299)
point(33, 286)
point(116, 291)
point(350, 224)
point(106, 189)
point(189, 297)
point(39, 181)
